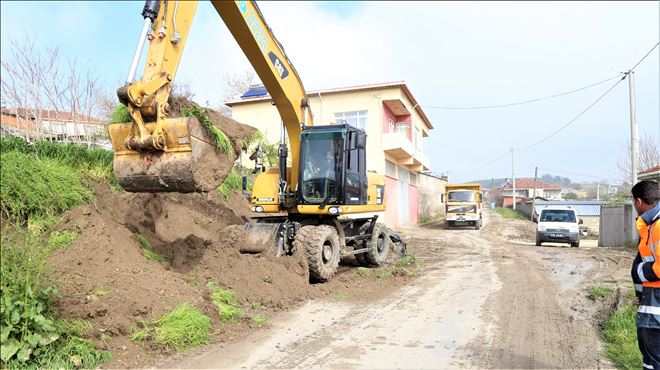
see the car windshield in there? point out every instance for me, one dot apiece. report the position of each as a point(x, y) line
point(557, 215)
point(461, 196)
point(322, 156)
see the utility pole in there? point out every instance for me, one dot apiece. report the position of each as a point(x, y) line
point(633, 126)
point(491, 190)
point(598, 192)
point(513, 177)
point(531, 214)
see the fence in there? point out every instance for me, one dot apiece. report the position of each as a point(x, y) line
point(617, 226)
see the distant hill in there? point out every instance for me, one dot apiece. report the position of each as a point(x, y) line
point(485, 184)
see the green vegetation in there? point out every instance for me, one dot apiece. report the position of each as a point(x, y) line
point(120, 114)
point(338, 296)
point(384, 274)
point(38, 187)
point(61, 239)
point(30, 335)
point(225, 300)
point(259, 320)
point(408, 260)
point(620, 336)
point(599, 291)
point(363, 271)
point(183, 328)
point(232, 182)
point(92, 163)
point(38, 182)
point(511, 214)
point(101, 292)
point(148, 252)
point(221, 141)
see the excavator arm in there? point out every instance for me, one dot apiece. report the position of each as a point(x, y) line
point(160, 153)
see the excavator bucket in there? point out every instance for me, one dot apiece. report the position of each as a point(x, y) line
point(190, 162)
point(261, 238)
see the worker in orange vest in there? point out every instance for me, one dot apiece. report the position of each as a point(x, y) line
point(646, 271)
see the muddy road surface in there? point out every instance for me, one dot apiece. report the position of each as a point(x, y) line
point(483, 299)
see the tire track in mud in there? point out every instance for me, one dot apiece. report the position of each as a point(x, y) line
point(420, 326)
point(535, 328)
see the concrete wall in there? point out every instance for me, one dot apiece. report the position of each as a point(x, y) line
point(616, 226)
point(431, 196)
point(592, 223)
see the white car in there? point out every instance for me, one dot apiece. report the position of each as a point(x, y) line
point(558, 224)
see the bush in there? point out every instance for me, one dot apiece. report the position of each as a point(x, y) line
point(38, 187)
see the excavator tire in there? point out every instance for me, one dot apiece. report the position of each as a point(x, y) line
point(379, 246)
point(321, 246)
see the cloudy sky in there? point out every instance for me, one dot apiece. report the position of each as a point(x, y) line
point(451, 54)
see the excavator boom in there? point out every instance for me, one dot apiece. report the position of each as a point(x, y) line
point(156, 152)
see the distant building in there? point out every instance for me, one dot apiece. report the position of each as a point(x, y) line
point(652, 173)
point(526, 188)
point(42, 124)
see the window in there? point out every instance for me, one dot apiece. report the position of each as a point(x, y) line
point(356, 119)
point(390, 169)
point(404, 176)
point(418, 140)
point(402, 128)
point(392, 126)
point(413, 178)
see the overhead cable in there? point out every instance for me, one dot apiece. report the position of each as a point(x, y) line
point(592, 104)
point(526, 101)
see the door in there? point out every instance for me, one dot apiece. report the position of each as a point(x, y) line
point(404, 206)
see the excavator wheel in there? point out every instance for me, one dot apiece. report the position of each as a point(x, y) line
point(379, 246)
point(321, 246)
point(189, 161)
point(359, 258)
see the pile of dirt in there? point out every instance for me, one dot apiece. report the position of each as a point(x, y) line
point(106, 277)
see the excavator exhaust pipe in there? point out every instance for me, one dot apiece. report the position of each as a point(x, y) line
point(188, 163)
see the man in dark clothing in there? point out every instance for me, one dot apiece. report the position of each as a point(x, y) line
point(646, 271)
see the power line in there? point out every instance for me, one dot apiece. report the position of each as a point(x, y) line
point(485, 165)
point(592, 104)
point(523, 102)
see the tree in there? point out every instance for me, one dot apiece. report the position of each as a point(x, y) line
point(234, 86)
point(38, 79)
point(648, 155)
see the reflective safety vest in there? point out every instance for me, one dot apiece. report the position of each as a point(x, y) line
point(648, 272)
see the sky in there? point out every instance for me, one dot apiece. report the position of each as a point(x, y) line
point(451, 54)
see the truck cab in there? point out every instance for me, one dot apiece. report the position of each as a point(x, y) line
point(463, 207)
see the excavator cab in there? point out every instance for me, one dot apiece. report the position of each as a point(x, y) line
point(332, 166)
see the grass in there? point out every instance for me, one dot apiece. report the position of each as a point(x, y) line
point(101, 292)
point(620, 337)
point(181, 329)
point(92, 163)
point(598, 292)
point(220, 140)
point(38, 182)
point(384, 274)
point(31, 187)
point(363, 271)
point(61, 239)
point(148, 251)
point(259, 320)
point(120, 114)
point(232, 182)
point(225, 300)
point(511, 214)
point(408, 260)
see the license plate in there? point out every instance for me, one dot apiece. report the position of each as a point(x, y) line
point(556, 235)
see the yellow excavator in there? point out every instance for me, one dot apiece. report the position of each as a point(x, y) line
point(300, 208)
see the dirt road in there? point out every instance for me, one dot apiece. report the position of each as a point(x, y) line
point(486, 298)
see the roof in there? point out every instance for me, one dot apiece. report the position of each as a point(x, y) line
point(49, 115)
point(581, 207)
point(649, 170)
point(528, 183)
point(259, 93)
